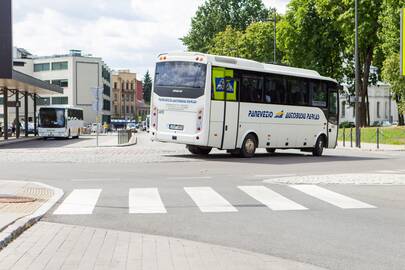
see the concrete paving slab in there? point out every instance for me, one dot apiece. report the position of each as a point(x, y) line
point(108, 249)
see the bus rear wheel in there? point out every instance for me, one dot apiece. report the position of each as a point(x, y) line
point(319, 146)
point(249, 146)
point(198, 150)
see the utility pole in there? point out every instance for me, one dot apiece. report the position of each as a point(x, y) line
point(356, 85)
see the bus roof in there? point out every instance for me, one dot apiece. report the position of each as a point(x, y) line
point(61, 107)
point(245, 64)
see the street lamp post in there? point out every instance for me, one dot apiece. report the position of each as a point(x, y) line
point(274, 20)
point(356, 84)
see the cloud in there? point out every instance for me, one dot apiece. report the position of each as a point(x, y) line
point(125, 33)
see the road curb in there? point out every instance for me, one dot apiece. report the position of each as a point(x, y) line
point(19, 226)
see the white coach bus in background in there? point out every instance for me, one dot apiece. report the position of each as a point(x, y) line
point(259, 106)
point(60, 122)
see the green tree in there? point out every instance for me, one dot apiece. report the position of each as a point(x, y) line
point(391, 74)
point(369, 12)
point(215, 15)
point(310, 37)
point(147, 87)
point(255, 43)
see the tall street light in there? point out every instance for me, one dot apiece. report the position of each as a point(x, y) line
point(357, 84)
point(274, 20)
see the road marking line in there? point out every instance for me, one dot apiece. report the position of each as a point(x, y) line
point(79, 202)
point(208, 200)
point(331, 197)
point(271, 199)
point(145, 201)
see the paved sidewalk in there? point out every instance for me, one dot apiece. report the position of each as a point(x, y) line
point(21, 205)
point(58, 246)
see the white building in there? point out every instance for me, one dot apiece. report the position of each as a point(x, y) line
point(76, 74)
point(382, 106)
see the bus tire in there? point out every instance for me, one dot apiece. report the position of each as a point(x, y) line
point(319, 146)
point(249, 146)
point(197, 150)
point(271, 150)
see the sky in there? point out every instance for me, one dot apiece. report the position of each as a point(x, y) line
point(127, 34)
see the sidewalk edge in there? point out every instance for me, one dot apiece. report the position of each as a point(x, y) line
point(20, 225)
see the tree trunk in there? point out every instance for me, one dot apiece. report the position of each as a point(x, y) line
point(401, 120)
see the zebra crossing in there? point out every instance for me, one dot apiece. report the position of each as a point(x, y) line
point(207, 200)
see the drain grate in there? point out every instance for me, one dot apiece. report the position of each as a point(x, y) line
point(15, 199)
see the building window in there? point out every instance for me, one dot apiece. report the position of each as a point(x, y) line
point(60, 100)
point(43, 101)
point(132, 109)
point(107, 90)
point(115, 109)
point(115, 85)
point(123, 86)
point(115, 96)
point(61, 83)
point(127, 98)
point(106, 105)
point(343, 109)
point(41, 67)
point(378, 109)
point(59, 65)
point(122, 109)
point(127, 109)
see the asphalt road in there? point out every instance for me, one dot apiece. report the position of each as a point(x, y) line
point(324, 234)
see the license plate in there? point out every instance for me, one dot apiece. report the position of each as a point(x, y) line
point(176, 127)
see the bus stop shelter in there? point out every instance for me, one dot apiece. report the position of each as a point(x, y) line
point(20, 87)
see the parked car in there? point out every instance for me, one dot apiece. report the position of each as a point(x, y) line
point(132, 127)
point(386, 123)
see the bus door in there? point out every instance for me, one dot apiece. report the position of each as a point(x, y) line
point(333, 116)
point(227, 110)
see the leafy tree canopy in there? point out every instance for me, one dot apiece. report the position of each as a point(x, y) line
point(147, 87)
point(215, 15)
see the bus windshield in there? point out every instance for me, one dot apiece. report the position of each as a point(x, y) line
point(51, 118)
point(181, 74)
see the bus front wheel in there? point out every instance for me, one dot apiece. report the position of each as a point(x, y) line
point(319, 146)
point(249, 146)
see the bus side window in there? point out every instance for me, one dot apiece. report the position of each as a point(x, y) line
point(273, 90)
point(297, 93)
point(251, 88)
point(318, 94)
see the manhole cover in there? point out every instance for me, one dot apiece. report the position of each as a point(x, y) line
point(15, 199)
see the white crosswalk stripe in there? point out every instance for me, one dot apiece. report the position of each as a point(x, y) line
point(208, 200)
point(145, 201)
point(331, 197)
point(271, 199)
point(79, 202)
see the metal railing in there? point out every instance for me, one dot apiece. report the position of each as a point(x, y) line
point(124, 136)
point(375, 136)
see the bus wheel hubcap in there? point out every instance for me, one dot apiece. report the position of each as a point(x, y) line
point(250, 146)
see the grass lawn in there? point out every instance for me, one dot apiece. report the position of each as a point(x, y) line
point(388, 135)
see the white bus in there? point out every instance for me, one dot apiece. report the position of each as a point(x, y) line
point(259, 106)
point(60, 121)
